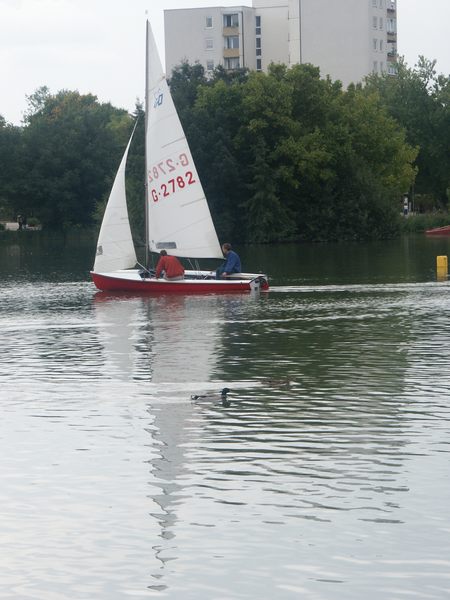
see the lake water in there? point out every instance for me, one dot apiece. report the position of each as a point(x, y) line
point(327, 477)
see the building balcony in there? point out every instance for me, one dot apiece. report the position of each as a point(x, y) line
point(231, 64)
point(231, 53)
point(230, 31)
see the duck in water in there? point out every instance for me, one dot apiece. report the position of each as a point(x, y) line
point(222, 397)
point(283, 383)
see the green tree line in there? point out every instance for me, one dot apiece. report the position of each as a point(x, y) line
point(419, 99)
point(283, 155)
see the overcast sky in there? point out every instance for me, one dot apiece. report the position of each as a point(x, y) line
point(97, 46)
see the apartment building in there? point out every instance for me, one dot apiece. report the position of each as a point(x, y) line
point(346, 39)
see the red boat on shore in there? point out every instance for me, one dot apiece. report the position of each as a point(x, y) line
point(445, 230)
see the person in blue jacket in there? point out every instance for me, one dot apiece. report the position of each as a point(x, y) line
point(232, 262)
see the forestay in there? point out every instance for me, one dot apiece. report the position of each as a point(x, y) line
point(178, 215)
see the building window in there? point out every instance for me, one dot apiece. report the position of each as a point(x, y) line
point(375, 44)
point(392, 50)
point(374, 22)
point(258, 25)
point(232, 41)
point(374, 3)
point(210, 65)
point(381, 3)
point(381, 45)
point(231, 20)
point(375, 66)
point(209, 22)
point(391, 25)
point(392, 70)
point(209, 43)
point(258, 64)
point(381, 22)
point(382, 69)
point(231, 64)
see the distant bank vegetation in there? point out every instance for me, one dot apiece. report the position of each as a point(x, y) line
point(282, 156)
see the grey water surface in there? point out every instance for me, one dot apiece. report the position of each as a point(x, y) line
point(327, 477)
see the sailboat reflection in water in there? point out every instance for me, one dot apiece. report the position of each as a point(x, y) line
point(163, 349)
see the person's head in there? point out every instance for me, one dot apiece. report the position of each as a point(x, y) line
point(163, 253)
point(226, 248)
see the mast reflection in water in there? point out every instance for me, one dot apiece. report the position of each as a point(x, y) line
point(171, 343)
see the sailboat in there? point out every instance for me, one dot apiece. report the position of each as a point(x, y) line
point(178, 218)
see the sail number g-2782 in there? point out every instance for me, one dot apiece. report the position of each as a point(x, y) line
point(167, 166)
point(174, 184)
point(177, 181)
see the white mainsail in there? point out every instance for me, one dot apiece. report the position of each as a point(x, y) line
point(115, 248)
point(178, 214)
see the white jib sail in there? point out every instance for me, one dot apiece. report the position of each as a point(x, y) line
point(115, 248)
point(178, 214)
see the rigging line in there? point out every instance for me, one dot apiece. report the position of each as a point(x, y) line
point(195, 265)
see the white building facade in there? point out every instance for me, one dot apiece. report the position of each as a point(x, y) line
point(346, 39)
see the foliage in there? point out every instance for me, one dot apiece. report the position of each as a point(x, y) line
point(287, 155)
point(71, 146)
point(12, 172)
point(61, 163)
point(267, 219)
point(419, 99)
point(419, 223)
point(185, 82)
point(282, 155)
point(33, 222)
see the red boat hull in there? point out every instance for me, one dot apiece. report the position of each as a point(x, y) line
point(439, 230)
point(110, 283)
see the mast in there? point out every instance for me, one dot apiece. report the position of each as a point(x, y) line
point(147, 242)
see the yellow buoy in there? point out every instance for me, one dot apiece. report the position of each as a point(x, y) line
point(442, 267)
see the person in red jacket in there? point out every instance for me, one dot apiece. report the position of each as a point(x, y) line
point(171, 266)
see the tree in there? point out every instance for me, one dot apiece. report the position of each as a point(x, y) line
point(267, 219)
point(288, 155)
point(37, 102)
point(211, 132)
point(72, 147)
point(418, 99)
point(184, 82)
point(12, 173)
point(338, 161)
point(282, 155)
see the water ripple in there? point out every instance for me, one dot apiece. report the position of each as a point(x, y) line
point(325, 476)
